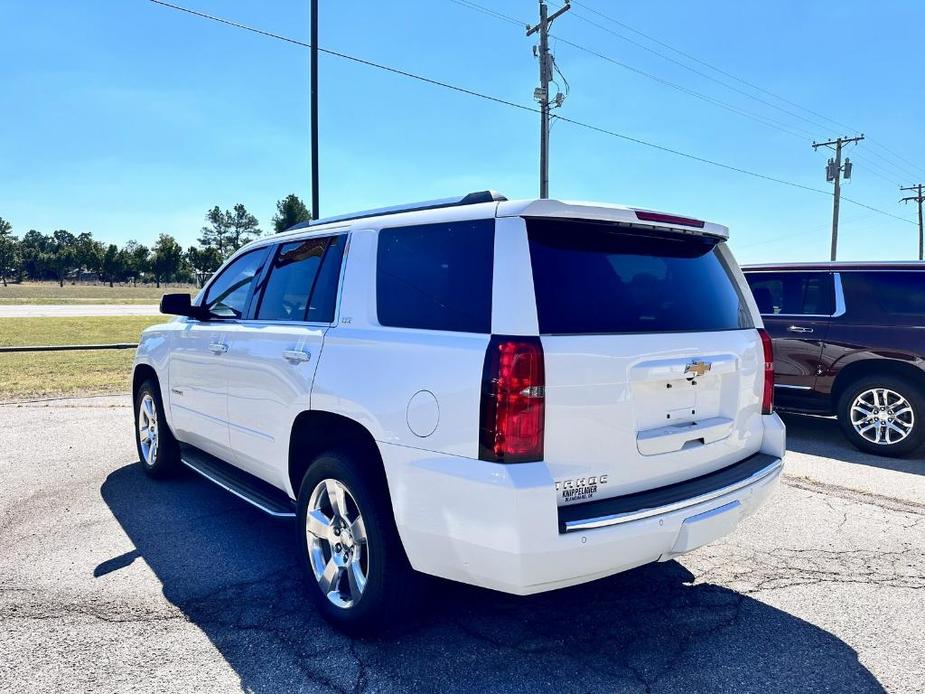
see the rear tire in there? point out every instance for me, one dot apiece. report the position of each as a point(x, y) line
point(357, 572)
point(158, 450)
point(883, 415)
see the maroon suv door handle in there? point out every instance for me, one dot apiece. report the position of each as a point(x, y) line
point(799, 329)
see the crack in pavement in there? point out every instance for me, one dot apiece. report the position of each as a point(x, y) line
point(886, 502)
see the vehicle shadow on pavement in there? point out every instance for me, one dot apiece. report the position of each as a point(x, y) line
point(231, 571)
point(823, 436)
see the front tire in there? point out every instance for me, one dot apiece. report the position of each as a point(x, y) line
point(358, 575)
point(883, 415)
point(158, 450)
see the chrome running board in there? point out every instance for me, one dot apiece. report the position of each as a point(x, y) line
point(243, 485)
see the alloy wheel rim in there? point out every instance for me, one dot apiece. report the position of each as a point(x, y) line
point(337, 545)
point(882, 416)
point(147, 430)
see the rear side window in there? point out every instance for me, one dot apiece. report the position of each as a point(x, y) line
point(879, 297)
point(302, 281)
point(291, 279)
point(596, 278)
point(436, 276)
point(793, 293)
point(324, 297)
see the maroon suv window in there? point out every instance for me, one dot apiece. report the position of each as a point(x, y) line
point(793, 293)
point(894, 297)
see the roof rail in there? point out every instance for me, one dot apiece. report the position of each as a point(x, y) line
point(470, 199)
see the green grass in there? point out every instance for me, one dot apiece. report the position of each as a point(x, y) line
point(27, 375)
point(76, 330)
point(45, 374)
point(51, 293)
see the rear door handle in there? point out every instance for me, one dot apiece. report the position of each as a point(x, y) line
point(799, 329)
point(218, 347)
point(294, 356)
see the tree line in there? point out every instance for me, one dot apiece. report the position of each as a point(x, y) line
point(63, 256)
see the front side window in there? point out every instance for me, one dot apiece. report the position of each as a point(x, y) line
point(436, 276)
point(593, 278)
point(228, 295)
point(793, 293)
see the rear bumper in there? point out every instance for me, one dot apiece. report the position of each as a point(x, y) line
point(677, 497)
point(496, 526)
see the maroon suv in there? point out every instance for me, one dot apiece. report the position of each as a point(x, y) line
point(849, 340)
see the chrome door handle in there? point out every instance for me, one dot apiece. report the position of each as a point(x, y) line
point(799, 329)
point(218, 347)
point(294, 356)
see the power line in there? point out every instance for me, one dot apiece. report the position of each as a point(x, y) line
point(874, 169)
point(490, 12)
point(737, 79)
point(699, 72)
point(521, 107)
point(801, 232)
point(761, 119)
point(345, 56)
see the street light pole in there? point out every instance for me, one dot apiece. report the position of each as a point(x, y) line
point(314, 106)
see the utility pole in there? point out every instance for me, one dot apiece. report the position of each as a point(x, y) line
point(541, 94)
point(314, 105)
point(833, 172)
point(918, 197)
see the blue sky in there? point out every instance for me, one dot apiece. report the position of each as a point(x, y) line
point(128, 119)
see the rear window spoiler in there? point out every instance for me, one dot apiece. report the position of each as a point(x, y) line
point(611, 213)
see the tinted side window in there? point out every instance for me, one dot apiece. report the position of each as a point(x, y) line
point(793, 293)
point(898, 297)
point(436, 276)
point(324, 297)
point(292, 276)
point(228, 295)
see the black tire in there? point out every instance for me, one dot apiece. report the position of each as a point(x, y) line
point(166, 459)
point(391, 583)
point(912, 393)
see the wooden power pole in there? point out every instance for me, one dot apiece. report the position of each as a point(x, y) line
point(833, 172)
point(917, 198)
point(541, 94)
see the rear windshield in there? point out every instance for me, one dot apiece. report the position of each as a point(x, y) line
point(595, 278)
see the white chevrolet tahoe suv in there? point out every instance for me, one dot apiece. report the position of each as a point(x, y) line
point(520, 395)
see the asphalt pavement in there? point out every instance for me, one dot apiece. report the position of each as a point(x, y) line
point(75, 310)
point(110, 581)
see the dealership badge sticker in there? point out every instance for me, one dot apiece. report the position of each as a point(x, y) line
point(580, 488)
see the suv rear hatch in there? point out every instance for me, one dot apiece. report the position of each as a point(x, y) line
point(654, 369)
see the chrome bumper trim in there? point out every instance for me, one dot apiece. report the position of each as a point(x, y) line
point(618, 518)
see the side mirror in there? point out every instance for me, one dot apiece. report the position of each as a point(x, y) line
point(180, 305)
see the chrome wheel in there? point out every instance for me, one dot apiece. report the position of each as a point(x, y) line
point(337, 546)
point(882, 416)
point(147, 430)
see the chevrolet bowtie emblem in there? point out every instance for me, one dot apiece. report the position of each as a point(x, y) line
point(697, 368)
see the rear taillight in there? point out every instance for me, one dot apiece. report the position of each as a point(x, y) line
point(767, 398)
point(513, 408)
